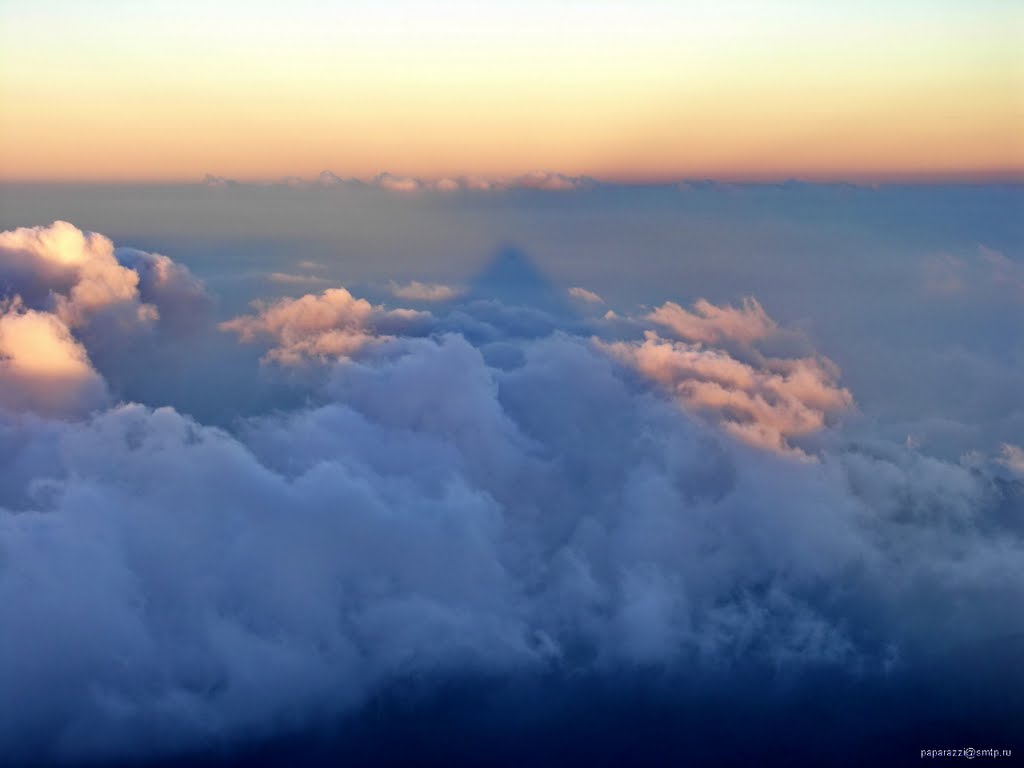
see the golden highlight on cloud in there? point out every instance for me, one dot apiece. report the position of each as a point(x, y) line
point(331, 325)
point(76, 270)
point(61, 285)
point(711, 324)
point(42, 367)
point(763, 400)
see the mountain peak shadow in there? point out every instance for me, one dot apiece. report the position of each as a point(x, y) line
point(514, 279)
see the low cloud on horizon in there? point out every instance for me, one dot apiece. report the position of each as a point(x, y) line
point(548, 181)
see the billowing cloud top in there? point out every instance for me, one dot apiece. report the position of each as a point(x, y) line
point(61, 281)
point(334, 324)
point(76, 271)
point(42, 367)
point(765, 404)
point(488, 490)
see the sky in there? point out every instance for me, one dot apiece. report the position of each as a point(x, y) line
point(743, 89)
point(510, 384)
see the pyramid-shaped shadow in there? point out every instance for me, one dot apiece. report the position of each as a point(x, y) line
point(513, 278)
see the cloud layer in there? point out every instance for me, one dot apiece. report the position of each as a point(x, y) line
point(485, 490)
point(547, 181)
point(333, 324)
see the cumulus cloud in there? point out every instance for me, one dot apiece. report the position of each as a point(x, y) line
point(497, 495)
point(584, 295)
point(417, 291)
point(42, 367)
point(333, 324)
point(719, 370)
point(80, 277)
point(1012, 457)
point(712, 324)
point(393, 183)
point(70, 299)
point(766, 406)
point(439, 516)
point(181, 301)
point(74, 273)
point(767, 401)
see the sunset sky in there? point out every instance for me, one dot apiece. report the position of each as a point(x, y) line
point(647, 90)
point(542, 383)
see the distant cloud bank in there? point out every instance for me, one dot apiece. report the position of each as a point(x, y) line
point(537, 180)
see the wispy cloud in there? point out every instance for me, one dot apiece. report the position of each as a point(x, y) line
point(288, 278)
point(417, 291)
point(584, 295)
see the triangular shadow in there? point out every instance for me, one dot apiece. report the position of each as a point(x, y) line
point(514, 279)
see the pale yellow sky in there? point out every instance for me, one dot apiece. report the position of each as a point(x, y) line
point(646, 90)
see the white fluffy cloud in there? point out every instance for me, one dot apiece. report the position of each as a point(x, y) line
point(74, 272)
point(333, 324)
point(65, 289)
point(79, 276)
point(42, 367)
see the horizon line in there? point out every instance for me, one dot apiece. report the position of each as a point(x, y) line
point(540, 180)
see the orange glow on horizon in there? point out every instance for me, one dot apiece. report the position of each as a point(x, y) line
point(660, 92)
